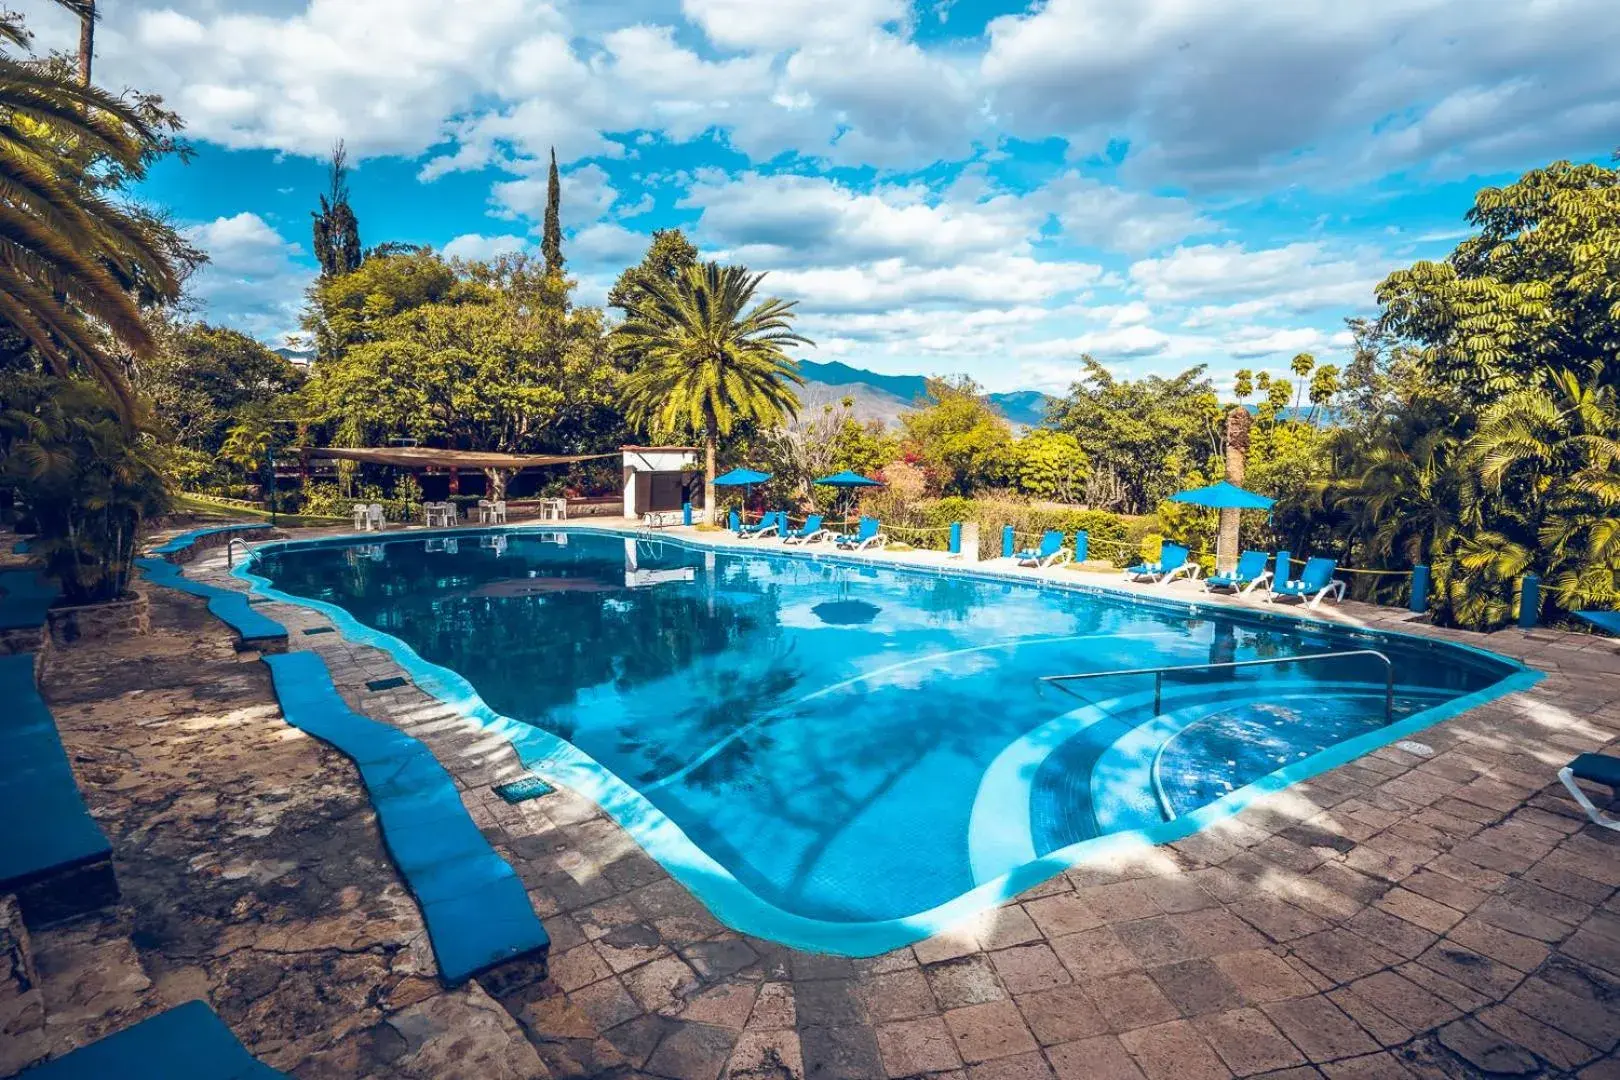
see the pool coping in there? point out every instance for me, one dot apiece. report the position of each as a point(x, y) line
point(729, 899)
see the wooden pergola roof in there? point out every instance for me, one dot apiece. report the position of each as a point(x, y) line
point(427, 457)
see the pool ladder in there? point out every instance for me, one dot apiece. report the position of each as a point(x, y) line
point(1159, 673)
point(230, 550)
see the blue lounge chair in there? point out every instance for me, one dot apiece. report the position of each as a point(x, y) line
point(1595, 769)
point(770, 523)
point(866, 535)
point(808, 533)
point(1249, 574)
point(1050, 553)
point(1313, 583)
point(1173, 563)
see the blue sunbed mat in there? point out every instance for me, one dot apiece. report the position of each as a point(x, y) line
point(48, 827)
point(187, 1042)
point(476, 908)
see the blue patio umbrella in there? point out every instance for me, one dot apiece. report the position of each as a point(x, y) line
point(849, 480)
point(1223, 496)
point(743, 478)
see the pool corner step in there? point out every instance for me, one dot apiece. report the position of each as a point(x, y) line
point(476, 908)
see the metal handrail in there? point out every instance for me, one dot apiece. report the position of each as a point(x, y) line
point(1158, 674)
point(230, 549)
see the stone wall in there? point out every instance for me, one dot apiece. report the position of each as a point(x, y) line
point(22, 1003)
point(93, 622)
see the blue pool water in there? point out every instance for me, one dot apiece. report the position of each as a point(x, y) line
point(837, 754)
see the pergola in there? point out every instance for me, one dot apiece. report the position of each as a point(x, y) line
point(498, 466)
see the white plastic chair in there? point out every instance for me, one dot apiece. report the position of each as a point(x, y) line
point(361, 520)
point(374, 517)
point(497, 512)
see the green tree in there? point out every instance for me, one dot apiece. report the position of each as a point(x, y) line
point(668, 256)
point(707, 360)
point(247, 447)
point(202, 377)
point(1535, 291)
point(78, 264)
point(337, 230)
point(1550, 455)
point(958, 437)
point(350, 309)
point(1243, 384)
point(551, 237)
point(1144, 438)
point(88, 479)
point(1051, 465)
point(1324, 388)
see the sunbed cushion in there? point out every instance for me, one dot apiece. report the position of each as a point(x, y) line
point(1597, 768)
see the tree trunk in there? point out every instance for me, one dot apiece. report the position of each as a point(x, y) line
point(87, 40)
point(708, 477)
point(1237, 450)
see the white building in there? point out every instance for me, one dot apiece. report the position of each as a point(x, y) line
point(660, 478)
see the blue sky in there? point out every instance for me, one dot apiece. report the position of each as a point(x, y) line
point(947, 186)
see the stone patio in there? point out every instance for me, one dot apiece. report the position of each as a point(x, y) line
point(1442, 914)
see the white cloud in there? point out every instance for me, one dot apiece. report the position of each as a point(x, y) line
point(253, 280)
point(1297, 277)
point(787, 24)
point(479, 248)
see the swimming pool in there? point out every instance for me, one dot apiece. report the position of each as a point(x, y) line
point(846, 756)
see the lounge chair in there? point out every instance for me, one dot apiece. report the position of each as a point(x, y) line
point(770, 523)
point(1050, 553)
point(1594, 769)
point(1173, 563)
point(1249, 574)
point(808, 533)
point(1313, 583)
point(866, 535)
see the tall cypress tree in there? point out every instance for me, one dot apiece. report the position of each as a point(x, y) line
point(551, 240)
point(337, 230)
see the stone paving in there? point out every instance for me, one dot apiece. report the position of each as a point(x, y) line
point(1438, 914)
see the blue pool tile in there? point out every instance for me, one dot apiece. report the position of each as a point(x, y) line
point(186, 539)
point(476, 908)
point(255, 628)
point(187, 1042)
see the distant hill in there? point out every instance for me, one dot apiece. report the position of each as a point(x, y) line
point(884, 397)
point(296, 357)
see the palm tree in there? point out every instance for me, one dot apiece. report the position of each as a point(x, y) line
point(86, 12)
point(1551, 455)
point(69, 256)
point(1302, 366)
point(704, 362)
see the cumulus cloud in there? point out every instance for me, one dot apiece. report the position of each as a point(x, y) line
point(478, 248)
point(254, 280)
point(1295, 278)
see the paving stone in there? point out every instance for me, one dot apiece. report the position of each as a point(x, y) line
point(1131, 1001)
point(1027, 968)
point(1099, 1058)
point(1061, 1015)
point(727, 1005)
point(1007, 926)
point(1062, 914)
point(1119, 902)
point(662, 985)
point(774, 1007)
point(1196, 987)
point(1247, 1042)
point(1319, 1028)
point(968, 980)
point(828, 1003)
point(692, 1052)
point(1487, 1050)
point(1523, 953)
point(840, 1053)
point(1585, 1018)
point(983, 1032)
point(909, 1047)
point(1261, 976)
point(897, 995)
point(1031, 1066)
point(1558, 1049)
point(1174, 1051)
point(766, 1055)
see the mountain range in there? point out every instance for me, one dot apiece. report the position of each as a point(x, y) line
point(885, 397)
point(876, 397)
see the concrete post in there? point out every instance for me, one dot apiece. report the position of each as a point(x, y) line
point(1420, 589)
